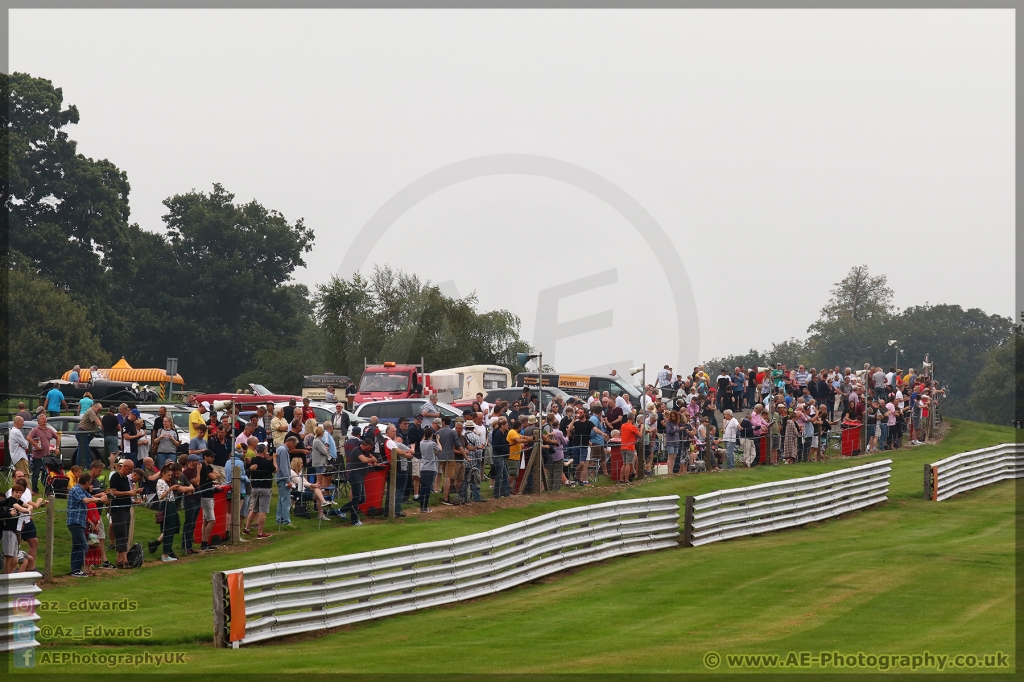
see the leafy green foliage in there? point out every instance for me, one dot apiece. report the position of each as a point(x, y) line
point(67, 214)
point(49, 332)
point(214, 291)
point(997, 395)
point(396, 316)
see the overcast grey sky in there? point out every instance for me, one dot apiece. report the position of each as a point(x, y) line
point(776, 148)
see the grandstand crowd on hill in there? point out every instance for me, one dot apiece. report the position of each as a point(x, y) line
point(698, 423)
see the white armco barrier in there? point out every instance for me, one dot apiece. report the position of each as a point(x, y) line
point(970, 470)
point(726, 514)
point(19, 610)
point(274, 600)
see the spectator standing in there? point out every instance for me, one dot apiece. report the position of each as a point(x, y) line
point(476, 439)
point(500, 453)
point(122, 490)
point(261, 473)
point(196, 419)
point(428, 448)
point(79, 497)
point(55, 402)
point(360, 459)
point(288, 412)
point(395, 448)
point(166, 443)
point(111, 435)
point(629, 434)
point(16, 512)
point(89, 426)
point(191, 504)
point(85, 403)
point(207, 480)
point(43, 440)
point(342, 422)
point(18, 446)
point(236, 462)
point(730, 435)
point(282, 477)
point(168, 487)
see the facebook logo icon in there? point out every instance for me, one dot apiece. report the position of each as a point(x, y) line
point(24, 658)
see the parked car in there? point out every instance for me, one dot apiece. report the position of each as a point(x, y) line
point(260, 395)
point(391, 411)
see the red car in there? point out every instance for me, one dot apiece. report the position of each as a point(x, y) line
point(260, 395)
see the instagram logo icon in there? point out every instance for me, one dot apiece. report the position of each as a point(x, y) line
point(24, 606)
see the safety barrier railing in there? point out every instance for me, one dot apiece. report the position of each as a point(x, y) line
point(737, 512)
point(263, 602)
point(19, 610)
point(974, 469)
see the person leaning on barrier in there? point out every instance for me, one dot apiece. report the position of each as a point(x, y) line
point(12, 508)
point(121, 492)
point(77, 501)
point(499, 460)
point(396, 448)
point(261, 473)
point(360, 459)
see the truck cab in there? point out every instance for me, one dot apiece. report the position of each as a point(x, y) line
point(389, 381)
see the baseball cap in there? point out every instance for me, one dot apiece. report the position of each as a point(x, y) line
point(419, 416)
point(136, 412)
point(356, 431)
point(195, 458)
point(205, 404)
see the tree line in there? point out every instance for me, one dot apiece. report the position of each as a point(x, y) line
point(977, 356)
point(86, 286)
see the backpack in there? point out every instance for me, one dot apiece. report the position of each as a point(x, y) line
point(135, 556)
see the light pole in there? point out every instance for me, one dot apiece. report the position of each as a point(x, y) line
point(895, 344)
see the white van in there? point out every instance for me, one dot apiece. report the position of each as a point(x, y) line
point(463, 383)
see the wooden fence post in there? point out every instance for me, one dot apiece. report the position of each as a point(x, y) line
point(927, 482)
point(392, 481)
point(131, 525)
point(51, 514)
point(219, 612)
point(236, 503)
point(688, 522)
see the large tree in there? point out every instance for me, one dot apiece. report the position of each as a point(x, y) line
point(858, 296)
point(395, 316)
point(216, 289)
point(49, 332)
point(67, 215)
point(998, 395)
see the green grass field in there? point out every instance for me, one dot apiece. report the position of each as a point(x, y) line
point(902, 578)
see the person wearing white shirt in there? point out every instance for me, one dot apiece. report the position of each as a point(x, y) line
point(624, 405)
point(396, 449)
point(730, 434)
point(18, 445)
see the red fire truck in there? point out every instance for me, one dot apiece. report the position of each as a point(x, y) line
point(390, 381)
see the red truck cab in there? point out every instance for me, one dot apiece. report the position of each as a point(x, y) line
point(389, 381)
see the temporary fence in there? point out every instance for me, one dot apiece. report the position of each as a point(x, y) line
point(19, 610)
point(974, 469)
point(263, 602)
point(737, 512)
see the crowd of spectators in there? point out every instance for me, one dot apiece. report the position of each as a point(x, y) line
point(699, 423)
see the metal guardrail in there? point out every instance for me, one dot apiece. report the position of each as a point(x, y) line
point(738, 512)
point(974, 469)
point(264, 602)
point(19, 610)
